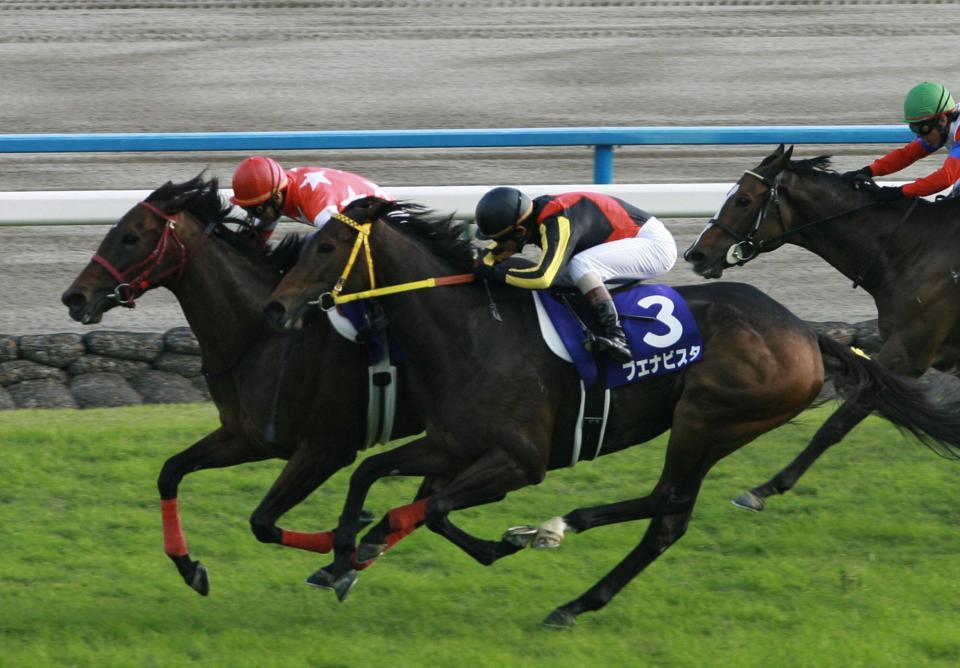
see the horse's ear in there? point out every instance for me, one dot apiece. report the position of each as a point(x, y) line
point(787, 155)
point(779, 150)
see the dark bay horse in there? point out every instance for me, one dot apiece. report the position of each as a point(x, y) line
point(501, 409)
point(905, 253)
point(178, 238)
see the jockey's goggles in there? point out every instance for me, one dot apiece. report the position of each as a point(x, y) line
point(258, 210)
point(924, 127)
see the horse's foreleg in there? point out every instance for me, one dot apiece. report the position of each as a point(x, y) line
point(308, 468)
point(418, 458)
point(487, 480)
point(837, 426)
point(218, 449)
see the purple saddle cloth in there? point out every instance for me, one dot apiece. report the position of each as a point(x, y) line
point(663, 336)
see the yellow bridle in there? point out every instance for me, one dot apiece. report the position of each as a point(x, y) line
point(363, 240)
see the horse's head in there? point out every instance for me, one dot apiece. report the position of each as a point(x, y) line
point(746, 224)
point(335, 258)
point(147, 247)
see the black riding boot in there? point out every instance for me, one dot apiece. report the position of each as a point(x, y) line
point(613, 340)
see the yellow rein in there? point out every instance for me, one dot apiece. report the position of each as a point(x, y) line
point(363, 239)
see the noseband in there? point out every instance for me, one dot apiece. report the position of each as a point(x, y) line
point(137, 279)
point(746, 247)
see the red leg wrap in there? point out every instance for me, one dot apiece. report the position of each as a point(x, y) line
point(174, 543)
point(403, 521)
point(319, 541)
point(408, 517)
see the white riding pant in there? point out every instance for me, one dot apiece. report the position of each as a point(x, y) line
point(651, 253)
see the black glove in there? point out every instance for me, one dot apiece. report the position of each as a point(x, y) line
point(882, 193)
point(857, 177)
point(492, 273)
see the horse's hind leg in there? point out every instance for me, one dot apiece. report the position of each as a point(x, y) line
point(218, 449)
point(663, 531)
point(837, 426)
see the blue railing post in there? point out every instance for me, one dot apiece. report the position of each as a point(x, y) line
point(603, 163)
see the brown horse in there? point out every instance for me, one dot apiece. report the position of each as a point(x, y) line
point(501, 409)
point(316, 409)
point(906, 254)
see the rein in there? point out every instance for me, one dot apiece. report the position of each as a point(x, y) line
point(131, 284)
point(327, 301)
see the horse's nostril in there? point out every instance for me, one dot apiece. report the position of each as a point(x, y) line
point(692, 256)
point(73, 300)
point(275, 312)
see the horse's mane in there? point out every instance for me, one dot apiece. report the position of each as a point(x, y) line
point(445, 237)
point(285, 254)
point(818, 165)
point(201, 199)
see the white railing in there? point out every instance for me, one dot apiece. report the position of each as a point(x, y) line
point(82, 207)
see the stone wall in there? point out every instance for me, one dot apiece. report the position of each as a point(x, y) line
point(100, 369)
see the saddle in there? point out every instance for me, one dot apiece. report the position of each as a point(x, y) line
point(660, 329)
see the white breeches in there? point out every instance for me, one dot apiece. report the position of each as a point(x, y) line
point(650, 254)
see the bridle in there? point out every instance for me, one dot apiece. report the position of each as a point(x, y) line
point(327, 301)
point(138, 278)
point(747, 247)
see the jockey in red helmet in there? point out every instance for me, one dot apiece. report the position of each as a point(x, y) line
point(308, 194)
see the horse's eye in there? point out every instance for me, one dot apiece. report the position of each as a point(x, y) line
point(325, 248)
point(743, 200)
point(130, 239)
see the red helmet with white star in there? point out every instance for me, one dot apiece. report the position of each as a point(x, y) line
point(257, 180)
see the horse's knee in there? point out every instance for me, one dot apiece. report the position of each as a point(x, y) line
point(264, 528)
point(168, 480)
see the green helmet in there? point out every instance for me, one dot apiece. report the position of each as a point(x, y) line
point(926, 100)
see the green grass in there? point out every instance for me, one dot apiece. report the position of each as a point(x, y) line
point(857, 567)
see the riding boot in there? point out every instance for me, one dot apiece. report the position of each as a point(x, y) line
point(613, 339)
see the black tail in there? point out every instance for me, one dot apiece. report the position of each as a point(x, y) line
point(903, 401)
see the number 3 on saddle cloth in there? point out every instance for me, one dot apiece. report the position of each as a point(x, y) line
point(366, 325)
point(663, 338)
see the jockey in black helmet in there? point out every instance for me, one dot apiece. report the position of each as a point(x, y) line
point(586, 238)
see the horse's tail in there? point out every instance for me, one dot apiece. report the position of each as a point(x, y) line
point(903, 401)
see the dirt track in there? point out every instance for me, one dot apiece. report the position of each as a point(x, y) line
point(142, 66)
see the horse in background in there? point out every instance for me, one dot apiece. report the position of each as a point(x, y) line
point(298, 396)
point(905, 253)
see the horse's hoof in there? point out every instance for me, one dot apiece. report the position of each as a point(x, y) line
point(366, 517)
point(200, 581)
point(560, 619)
point(369, 551)
point(344, 584)
point(550, 534)
point(520, 536)
point(750, 501)
point(322, 579)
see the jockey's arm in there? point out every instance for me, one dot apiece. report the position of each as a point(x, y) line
point(901, 158)
point(557, 244)
point(939, 180)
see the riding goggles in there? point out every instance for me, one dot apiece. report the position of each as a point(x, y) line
point(921, 128)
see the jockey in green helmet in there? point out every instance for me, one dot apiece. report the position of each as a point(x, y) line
point(934, 117)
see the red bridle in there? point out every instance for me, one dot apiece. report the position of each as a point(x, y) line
point(131, 284)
